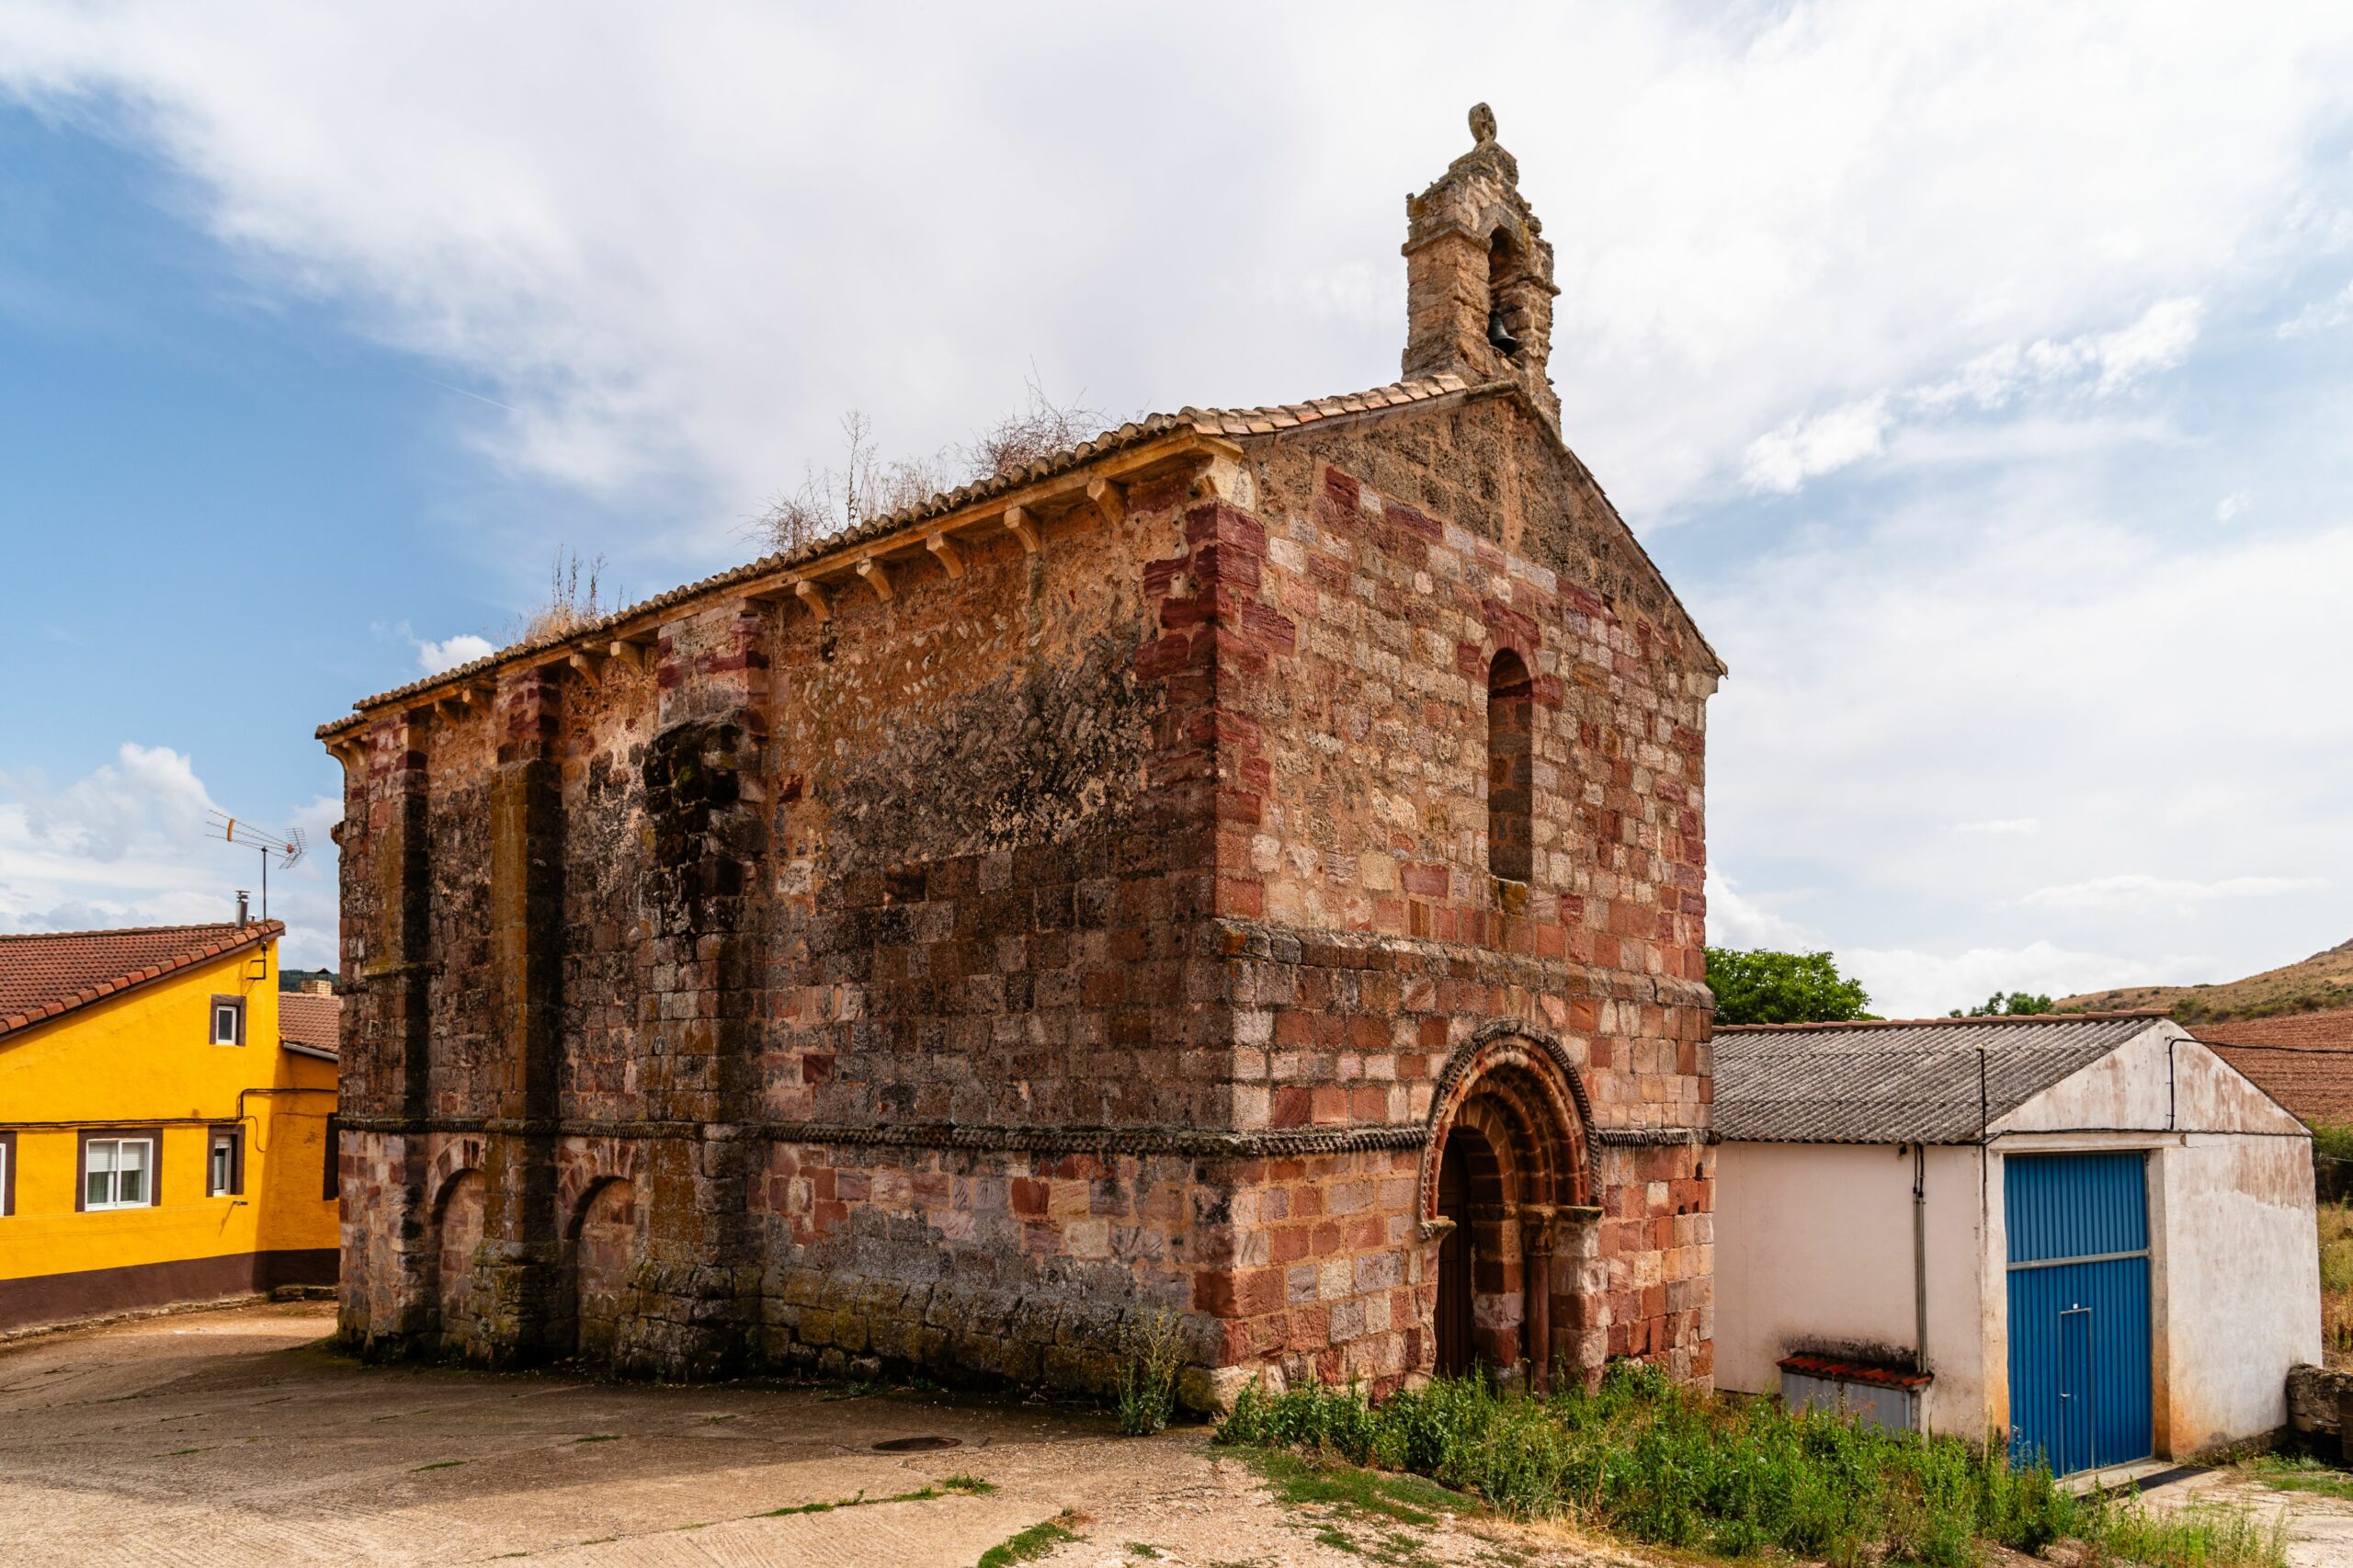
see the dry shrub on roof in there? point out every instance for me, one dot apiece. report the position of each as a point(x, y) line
point(836, 499)
point(1041, 428)
point(570, 603)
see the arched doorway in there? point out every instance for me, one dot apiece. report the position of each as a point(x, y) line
point(1507, 1158)
point(458, 1234)
point(603, 1250)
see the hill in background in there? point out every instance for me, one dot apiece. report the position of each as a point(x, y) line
point(2322, 981)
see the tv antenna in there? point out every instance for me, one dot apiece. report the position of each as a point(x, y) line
point(287, 851)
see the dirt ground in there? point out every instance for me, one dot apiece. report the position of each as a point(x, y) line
point(230, 1437)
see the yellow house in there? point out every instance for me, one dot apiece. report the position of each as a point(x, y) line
point(162, 1139)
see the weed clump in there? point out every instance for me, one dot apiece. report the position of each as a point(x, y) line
point(1155, 1349)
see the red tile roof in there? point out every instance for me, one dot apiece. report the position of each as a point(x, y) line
point(2302, 1060)
point(308, 1018)
point(46, 974)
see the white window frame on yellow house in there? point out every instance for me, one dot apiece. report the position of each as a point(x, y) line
point(114, 1140)
point(224, 1168)
point(8, 1174)
point(233, 1008)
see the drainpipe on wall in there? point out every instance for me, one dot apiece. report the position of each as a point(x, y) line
point(1920, 1262)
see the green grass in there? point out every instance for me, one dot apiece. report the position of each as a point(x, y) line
point(1032, 1544)
point(1349, 1501)
point(438, 1464)
point(2298, 1473)
point(1645, 1457)
point(599, 1437)
point(2200, 1535)
point(1402, 1499)
point(954, 1485)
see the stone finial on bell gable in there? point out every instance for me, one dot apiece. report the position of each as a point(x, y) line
point(1479, 274)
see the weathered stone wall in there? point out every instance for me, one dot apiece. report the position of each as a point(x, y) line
point(1080, 932)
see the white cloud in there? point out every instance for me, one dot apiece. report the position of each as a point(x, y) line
point(451, 652)
point(1803, 449)
point(2321, 315)
point(1905, 983)
point(2141, 890)
point(674, 245)
point(126, 844)
point(2095, 365)
point(2230, 505)
point(1734, 921)
point(2158, 341)
point(2002, 826)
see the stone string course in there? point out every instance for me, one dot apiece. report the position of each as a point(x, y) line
point(1097, 932)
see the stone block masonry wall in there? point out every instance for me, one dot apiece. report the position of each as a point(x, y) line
point(1075, 934)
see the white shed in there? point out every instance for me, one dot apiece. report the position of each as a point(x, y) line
point(2101, 1234)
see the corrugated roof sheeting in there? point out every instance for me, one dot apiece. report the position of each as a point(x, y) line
point(1896, 1082)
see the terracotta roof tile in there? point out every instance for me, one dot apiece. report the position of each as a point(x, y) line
point(47, 974)
point(305, 1017)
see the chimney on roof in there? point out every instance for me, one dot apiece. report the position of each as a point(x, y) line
point(1479, 275)
point(241, 907)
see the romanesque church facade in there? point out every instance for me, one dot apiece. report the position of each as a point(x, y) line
point(1249, 866)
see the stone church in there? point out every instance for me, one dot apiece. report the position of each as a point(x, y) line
point(1247, 866)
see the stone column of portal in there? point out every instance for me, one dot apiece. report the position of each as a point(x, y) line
point(387, 1304)
point(1535, 1226)
point(705, 903)
point(519, 1286)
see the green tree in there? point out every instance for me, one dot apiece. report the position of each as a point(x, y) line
point(1765, 987)
point(2017, 1004)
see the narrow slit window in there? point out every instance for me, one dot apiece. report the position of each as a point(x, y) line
point(1511, 768)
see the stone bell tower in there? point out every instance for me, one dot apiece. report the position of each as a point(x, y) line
point(1479, 274)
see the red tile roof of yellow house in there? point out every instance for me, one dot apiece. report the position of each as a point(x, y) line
point(47, 974)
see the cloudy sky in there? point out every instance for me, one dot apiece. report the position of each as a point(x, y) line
point(1983, 378)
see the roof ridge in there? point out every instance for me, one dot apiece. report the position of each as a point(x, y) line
point(2018, 1019)
point(139, 931)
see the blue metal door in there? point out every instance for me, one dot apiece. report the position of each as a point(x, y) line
point(2078, 1308)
